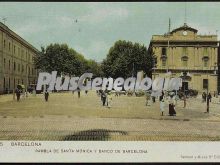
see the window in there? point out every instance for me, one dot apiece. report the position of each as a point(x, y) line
point(4, 62)
point(9, 46)
point(185, 62)
point(4, 83)
point(9, 83)
point(14, 66)
point(22, 54)
point(205, 63)
point(205, 83)
point(164, 51)
point(22, 70)
point(9, 64)
point(18, 67)
point(32, 71)
point(4, 43)
point(14, 49)
point(163, 63)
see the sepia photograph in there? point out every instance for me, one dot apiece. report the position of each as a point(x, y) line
point(109, 71)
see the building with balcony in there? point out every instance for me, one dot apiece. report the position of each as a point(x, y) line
point(188, 55)
point(16, 61)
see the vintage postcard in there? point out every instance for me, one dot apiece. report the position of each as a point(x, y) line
point(109, 82)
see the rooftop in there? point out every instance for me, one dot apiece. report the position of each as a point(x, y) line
point(11, 33)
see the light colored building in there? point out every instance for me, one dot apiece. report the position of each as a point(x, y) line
point(188, 55)
point(16, 60)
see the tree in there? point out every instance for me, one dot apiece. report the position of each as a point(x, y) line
point(94, 68)
point(125, 59)
point(65, 60)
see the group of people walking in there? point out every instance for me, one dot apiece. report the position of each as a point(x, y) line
point(206, 97)
point(172, 103)
point(106, 98)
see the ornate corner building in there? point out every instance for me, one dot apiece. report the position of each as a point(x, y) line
point(188, 55)
point(16, 61)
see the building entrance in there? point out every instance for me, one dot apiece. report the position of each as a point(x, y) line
point(185, 86)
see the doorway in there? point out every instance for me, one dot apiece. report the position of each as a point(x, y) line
point(185, 86)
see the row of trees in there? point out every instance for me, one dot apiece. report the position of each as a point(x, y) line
point(65, 60)
point(124, 59)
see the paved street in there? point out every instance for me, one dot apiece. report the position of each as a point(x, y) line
point(66, 117)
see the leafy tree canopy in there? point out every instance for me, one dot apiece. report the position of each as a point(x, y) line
point(64, 60)
point(125, 59)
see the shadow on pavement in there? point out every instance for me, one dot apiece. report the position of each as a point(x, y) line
point(93, 135)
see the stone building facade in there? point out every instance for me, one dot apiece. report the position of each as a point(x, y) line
point(16, 61)
point(188, 55)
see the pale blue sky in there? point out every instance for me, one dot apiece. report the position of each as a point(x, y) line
point(99, 25)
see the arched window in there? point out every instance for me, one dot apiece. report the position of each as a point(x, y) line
point(164, 51)
point(14, 66)
point(185, 61)
point(9, 83)
point(4, 83)
point(9, 64)
point(205, 61)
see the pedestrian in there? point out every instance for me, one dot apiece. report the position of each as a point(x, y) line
point(86, 91)
point(162, 103)
point(153, 99)
point(46, 95)
point(34, 92)
point(205, 96)
point(209, 97)
point(78, 93)
point(172, 111)
point(176, 98)
point(147, 98)
point(103, 98)
point(109, 100)
point(184, 101)
point(18, 93)
point(207, 101)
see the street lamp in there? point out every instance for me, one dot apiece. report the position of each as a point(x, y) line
point(215, 73)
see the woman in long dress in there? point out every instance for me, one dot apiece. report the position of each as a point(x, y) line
point(162, 104)
point(172, 111)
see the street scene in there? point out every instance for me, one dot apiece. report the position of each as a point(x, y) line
point(67, 117)
point(109, 71)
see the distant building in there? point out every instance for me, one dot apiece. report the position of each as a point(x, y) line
point(188, 55)
point(16, 60)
